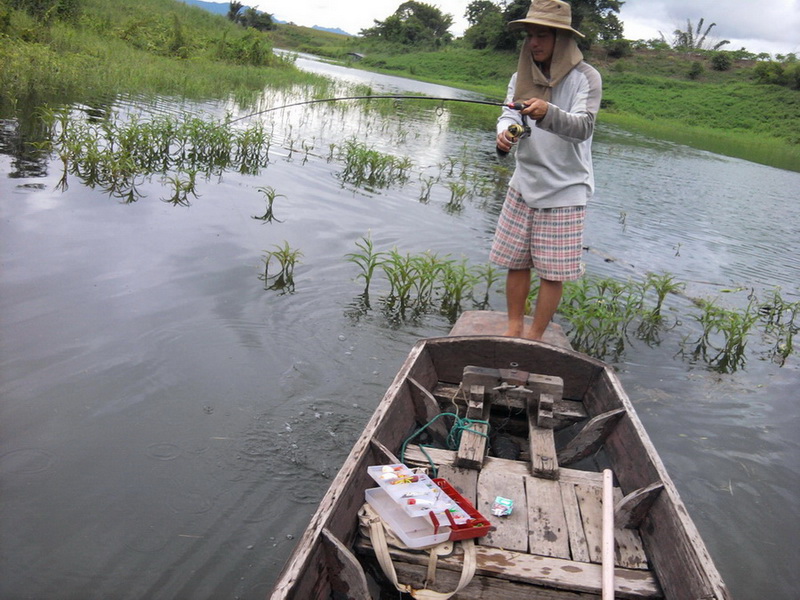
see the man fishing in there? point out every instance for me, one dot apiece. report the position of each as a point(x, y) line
point(542, 220)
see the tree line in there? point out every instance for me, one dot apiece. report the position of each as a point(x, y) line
point(419, 24)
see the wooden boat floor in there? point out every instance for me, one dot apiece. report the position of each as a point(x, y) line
point(553, 535)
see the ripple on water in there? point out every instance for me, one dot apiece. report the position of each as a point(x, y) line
point(163, 451)
point(26, 460)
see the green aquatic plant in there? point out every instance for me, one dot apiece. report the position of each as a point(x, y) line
point(115, 155)
point(365, 165)
point(662, 285)
point(427, 181)
point(781, 320)
point(458, 191)
point(181, 188)
point(271, 195)
point(599, 311)
point(428, 269)
point(286, 258)
point(723, 337)
point(401, 272)
point(489, 275)
point(423, 282)
point(367, 259)
point(458, 281)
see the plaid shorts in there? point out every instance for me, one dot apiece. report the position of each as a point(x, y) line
point(549, 240)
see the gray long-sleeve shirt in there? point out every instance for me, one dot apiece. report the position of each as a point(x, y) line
point(554, 164)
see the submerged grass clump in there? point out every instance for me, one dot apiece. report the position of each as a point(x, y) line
point(281, 279)
point(116, 155)
point(366, 166)
point(723, 339)
point(605, 316)
point(270, 194)
point(419, 283)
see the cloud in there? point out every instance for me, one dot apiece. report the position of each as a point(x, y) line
point(767, 24)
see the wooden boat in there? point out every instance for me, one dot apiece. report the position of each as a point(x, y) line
point(569, 416)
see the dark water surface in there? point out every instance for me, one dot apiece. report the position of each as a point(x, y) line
point(167, 425)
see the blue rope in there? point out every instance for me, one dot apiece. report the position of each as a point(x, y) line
point(460, 425)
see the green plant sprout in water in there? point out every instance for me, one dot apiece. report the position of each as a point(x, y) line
point(181, 188)
point(367, 260)
point(363, 165)
point(270, 194)
point(458, 191)
point(287, 259)
point(419, 283)
point(781, 322)
point(731, 326)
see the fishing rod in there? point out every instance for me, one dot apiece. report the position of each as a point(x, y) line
point(512, 105)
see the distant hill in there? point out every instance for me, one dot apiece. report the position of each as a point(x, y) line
point(221, 8)
point(329, 30)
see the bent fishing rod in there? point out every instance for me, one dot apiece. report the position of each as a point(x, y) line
point(512, 105)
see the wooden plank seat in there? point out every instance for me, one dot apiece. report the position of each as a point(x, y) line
point(499, 569)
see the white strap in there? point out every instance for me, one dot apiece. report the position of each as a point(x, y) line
point(378, 539)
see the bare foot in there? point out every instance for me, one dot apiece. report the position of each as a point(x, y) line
point(514, 329)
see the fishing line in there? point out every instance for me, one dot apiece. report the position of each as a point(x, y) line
point(514, 105)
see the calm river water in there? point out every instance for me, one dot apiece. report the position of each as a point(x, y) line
point(168, 424)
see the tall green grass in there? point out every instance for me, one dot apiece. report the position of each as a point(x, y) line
point(762, 149)
point(146, 47)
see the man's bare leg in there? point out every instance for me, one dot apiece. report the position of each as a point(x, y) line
point(546, 305)
point(518, 286)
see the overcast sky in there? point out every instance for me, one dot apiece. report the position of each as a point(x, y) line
point(771, 26)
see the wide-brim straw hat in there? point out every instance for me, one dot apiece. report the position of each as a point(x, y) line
point(550, 13)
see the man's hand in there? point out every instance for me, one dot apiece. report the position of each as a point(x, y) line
point(536, 108)
point(505, 141)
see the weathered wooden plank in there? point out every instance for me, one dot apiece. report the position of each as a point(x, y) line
point(473, 442)
point(542, 446)
point(591, 437)
point(547, 526)
point(426, 407)
point(465, 481)
point(589, 501)
point(572, 514)
point(345, 572)
point(548, 572)
point(630, 510)
point(477, 322)
point(384, 455)
point(544, 416)
point(543, 452)
point(628, 546)
point(510, 532)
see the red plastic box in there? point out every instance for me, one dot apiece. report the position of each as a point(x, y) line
point(477, 526)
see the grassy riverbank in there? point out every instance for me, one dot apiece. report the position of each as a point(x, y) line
point(148, 47)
